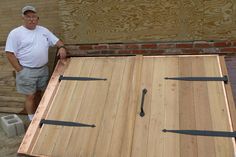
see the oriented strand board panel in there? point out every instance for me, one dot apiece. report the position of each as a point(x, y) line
point(10, 16)
point(110, 21)
point(114, 106)
point(114, 21)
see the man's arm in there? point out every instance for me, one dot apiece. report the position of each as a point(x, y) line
point(61, 49)
point(14, 61)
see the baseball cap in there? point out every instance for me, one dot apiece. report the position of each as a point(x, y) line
point(28, 8)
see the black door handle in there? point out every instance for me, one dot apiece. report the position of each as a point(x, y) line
point(142, 113)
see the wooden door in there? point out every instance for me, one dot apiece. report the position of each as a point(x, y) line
point(182, 105)
point(114, 107)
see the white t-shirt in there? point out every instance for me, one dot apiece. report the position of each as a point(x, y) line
point(30, 46)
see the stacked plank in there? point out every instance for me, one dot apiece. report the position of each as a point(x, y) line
point(10, 100)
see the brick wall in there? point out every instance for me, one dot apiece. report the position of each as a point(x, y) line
point(158, 48)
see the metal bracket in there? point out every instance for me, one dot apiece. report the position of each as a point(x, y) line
point(80, 78)
point(224, 78)
point(203, 133)
point(142, 113)
point(64, 123)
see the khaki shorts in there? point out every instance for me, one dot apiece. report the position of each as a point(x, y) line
point(30, 80)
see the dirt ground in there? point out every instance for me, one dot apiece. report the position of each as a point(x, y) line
point(9, 146)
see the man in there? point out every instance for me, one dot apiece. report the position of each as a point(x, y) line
point(27, 51)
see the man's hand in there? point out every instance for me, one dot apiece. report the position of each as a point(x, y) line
point(62, 53)
point(14, 61)
point(61, 49)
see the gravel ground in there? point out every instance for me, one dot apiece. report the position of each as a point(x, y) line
point(9, 146)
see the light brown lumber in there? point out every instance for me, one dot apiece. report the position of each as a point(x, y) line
point(229, 93)
point(103, 94)
point(132, 107)
point(110, 108)
point(73, 108)
point(205, 145)
point(171, 108)
point(61, 101)
point(33, 130)
point(120, 116)
point(95, 107)
point(188, 144)
point(141, 130)
point(218, 111)
point(86, 112)
point(157, 109)
point(121, 141)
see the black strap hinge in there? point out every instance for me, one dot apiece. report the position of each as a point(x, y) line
point(64, 123)
point(224, 78)
point(203, 133)
point(80, 78)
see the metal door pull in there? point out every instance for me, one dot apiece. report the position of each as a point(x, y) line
point(142, 113)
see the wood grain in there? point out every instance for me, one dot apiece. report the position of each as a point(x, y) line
point(187, 117)
point(33, 130)
point(146, 20)
point(218, 110)
point(229, 92)
point(205, 145)
point(114, 106)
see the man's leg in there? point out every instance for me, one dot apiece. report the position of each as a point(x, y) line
point(29, 105)
point(32, 102)
point(37, 99)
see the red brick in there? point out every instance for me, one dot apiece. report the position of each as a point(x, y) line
point(184, 45)
point(85, 47)
point(139, 51)
point(132, 46)
point(228, 50)
point(77, 53)
point(93, 52)
point(116, 46)
point(234, 43)
point(108, 52)
point(124, 52)
point(212, 50)
point(156, 52)
point(192, 51)
point(100, 47)
point(173, 51)
point(202, 45)
point(222, 44)
point(166, 45)
point(149, 46)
